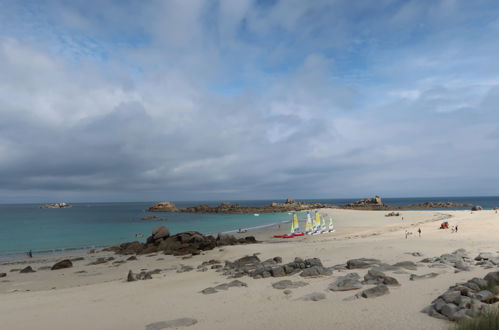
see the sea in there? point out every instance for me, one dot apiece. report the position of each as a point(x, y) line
point(25, 227)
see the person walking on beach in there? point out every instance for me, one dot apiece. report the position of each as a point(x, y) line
point(30, 253)
point(419, 232)
point(406, 234)
point(455, 229)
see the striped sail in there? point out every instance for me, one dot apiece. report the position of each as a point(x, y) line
point(317, 224)
point(295, 227)
point(309, 228)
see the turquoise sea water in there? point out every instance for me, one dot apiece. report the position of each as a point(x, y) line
point(85, 225)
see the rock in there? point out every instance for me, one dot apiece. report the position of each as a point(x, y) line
point(367, 202)
point(66, 263)
point(27, 269)
point(209, 290)
point(287, 292)
point(415, 277)
point(277, 260)
point(287, 284)
point(374, 277)
point(462, 266)
point(483, 295)
point(315, 271)
point(236, 284)
point(449, 310)
point(362, 263)
point(376, 291)
point(494, 260)
point(388, 280)
point(479, 282)
point(477, 208)
point(492, 277)
point(223, 286)
point(163, 207)
point(451, 297)
point(131, 277)
point(3, 275)
point(131, 258)
point(346, 283)
point(177, 323)
point(386, 267)
point(428, 260)
point(160, 233)
point(184, 269)
point(314, 296)
point(416, 254)
point(407, 265)
point(484, 256)
point(277, 271)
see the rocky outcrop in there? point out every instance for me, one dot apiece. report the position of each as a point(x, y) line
point(287, 284)
point(252, 266)
point(392, 214)
point(477, 208)
point(163, 207)
point(3, 275)
point(180, 244)
point(376, 203)
point(66, 263)
point(362, 263)
point(56, 206)
point(227, 208)
point(224, 286)
point(377, 291)
point(465, 300)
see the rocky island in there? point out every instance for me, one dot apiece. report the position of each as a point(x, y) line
point(290, 205)
point(56, 206)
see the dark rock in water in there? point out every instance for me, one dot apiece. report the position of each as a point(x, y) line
point(314, 296)
point(376, 291)
point(362, 263)
point(346, 283)
point(287, 284)
point(3, 275)
point(492, 277)
point(415, 277)
point(477, 208)
point(407, 265)
point(315, 271)
point(27, 270)
point(177, 323)
point(66, 263)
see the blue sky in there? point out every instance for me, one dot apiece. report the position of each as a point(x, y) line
point(175, 100)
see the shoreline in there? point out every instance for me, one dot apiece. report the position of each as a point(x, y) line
point(175, 289)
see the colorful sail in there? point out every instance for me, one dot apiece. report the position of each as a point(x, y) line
point(309, 227)
point(295, 227)
point(317, 224)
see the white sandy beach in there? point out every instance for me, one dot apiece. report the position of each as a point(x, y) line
point(100, 297)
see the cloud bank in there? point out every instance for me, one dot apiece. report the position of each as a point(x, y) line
point(189, 100)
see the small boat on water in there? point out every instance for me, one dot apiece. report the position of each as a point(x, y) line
point(256, 214)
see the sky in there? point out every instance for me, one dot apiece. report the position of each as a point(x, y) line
point(209, 100)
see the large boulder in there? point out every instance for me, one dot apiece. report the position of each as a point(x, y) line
point(477, 208)
point(492, 277)
point(26, 270)
point(376, 291)
point(160, 233)
point(66, 263)
point(346, 283)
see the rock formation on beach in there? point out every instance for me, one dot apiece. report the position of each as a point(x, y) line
point(184, 243)
point(163, 207)
point(56, 206)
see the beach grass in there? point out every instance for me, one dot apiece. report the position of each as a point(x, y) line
point(486, 321)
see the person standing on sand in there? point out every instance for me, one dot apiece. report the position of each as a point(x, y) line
point(419, 232)
point(30, 253)
point(456, 229)
point(406, 234)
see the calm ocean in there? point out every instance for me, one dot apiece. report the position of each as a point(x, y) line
point(86, 225)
